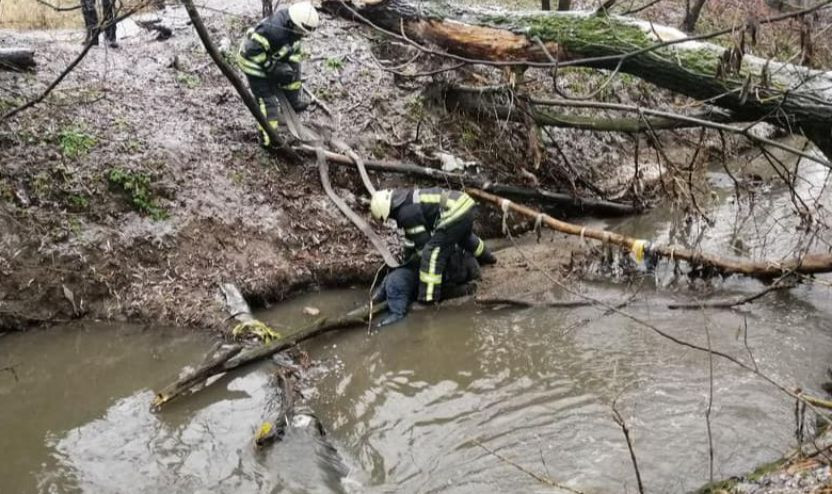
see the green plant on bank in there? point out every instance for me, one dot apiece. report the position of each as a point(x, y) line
point(334, 63)
point(74, 142)
point(78, 201)
point(6, 191)
point(190, 81)
point(136, 186)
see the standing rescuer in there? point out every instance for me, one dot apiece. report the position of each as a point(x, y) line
point(435, 220)
point(270, 56)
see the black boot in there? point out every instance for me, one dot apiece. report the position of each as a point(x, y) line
point(487, 258)
point(389, 319)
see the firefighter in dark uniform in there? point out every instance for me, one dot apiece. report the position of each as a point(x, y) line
point(401, 286)
point(435, 220)
point(270, 57)
point(91, 21)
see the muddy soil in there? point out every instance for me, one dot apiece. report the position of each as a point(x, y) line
point(139, 185)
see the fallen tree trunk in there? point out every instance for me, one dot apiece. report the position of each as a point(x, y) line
point(500, 105)
point(765, 270)
point(229, 361)
point(17, 59)
point(789, 96)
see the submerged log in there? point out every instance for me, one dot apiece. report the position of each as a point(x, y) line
point(789, 96)
point(17, 59)
point(765, 270)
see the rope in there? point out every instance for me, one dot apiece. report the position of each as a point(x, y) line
point(538, 224)
point(504, 205)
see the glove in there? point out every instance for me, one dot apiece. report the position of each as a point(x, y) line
point(281, 73)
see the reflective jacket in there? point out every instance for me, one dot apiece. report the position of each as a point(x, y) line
point(272, 41)
point(421, 211)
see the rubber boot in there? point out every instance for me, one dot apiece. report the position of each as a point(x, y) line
point(487, 258)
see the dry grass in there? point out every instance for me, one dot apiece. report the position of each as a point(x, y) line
point(29, 14)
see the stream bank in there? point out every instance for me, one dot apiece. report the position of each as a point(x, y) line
point(138, 186)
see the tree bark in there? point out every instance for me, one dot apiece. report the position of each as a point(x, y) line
point(267, 8)
point(692, 15)
point(789, 96)
point(545, 4)
point(17, 59)
point(564, 4)
point(234, 358)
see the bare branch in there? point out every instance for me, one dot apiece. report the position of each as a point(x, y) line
point(620, 421)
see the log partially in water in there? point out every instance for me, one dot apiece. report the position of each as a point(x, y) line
point(230, 361)
point(764, 270)
point(17, 59)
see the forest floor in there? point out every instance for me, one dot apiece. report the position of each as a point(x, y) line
point(138, 186)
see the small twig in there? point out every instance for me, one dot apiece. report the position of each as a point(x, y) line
point(620, 421)
point(530, 303)
point(538, 477)
point(57, 8)
point(710, 401)
point(727, 304)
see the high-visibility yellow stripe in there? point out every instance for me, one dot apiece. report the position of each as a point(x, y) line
point(250, 67)
point(296, 58)
point(266, 139)
point(293, 86)
point(480, 248)
point(414, 230)
point(261, 39)
point(431, 278)
point(462, 206)
point(430, 198)
point(259, 58)
point(283, 51)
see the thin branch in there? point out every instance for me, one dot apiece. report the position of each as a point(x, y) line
point(727, 304)
point(538, 477)
point(710, 402)
point(636, 10)
point(620, 421)
point(57, 8)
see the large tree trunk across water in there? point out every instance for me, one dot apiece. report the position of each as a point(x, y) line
point(792, 97)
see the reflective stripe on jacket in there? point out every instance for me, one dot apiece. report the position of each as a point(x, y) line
point(270, 42)
point(421, 211)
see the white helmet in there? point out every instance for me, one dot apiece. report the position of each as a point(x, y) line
point(380, 204)
point(304, 16)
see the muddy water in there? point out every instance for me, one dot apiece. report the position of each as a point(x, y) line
point(448, 401)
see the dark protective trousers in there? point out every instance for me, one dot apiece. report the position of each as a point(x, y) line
point(91, 18)
point(265, 91)
point(400, 286)
point(438, 250)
